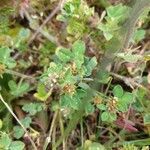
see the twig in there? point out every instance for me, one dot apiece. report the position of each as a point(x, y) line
point(62, 129)
point(19, 122)
point(82, 137)
point(52, 14)
point(54, 138)
point(144, 48)
point(48, 139)
point(19, 74)
point(44, 33)
point(112, 131)
point(129, 81)
point(108, 86)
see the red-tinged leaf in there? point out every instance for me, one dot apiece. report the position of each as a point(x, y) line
point(126, 124)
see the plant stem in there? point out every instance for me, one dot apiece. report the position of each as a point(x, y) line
point(54, 138)
point(19, 74)
point(129, 81)
point(62, 129)
point(52, 14)
point(108, 86)
point(81, 128)
point(48, 139)
point(19, 122)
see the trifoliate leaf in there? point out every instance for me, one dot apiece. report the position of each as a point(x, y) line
point(33, 108)
point(18, 90)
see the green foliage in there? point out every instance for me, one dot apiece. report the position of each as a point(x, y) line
point(5, 12)
point(147, 119)
point(68, 71)
point(115, 16)
point(104, 77)
point(123, 98)
point(7, 143)
point(139, 35)
point(32, 108)
point(96, 146)
point(71, 78)
point(46, 52)
point(17, 145)
point(26, 122)
point(117, 12)
point(129, 57)
point(76, 14)
point(76, 55)
point(132, 147)
point(129, 147)
point(89, 145)
point(41, 93)
point(1, 123)
point(5, 57)
point(89, 108)
point(91, 64)
point(118, 91)
point(108, 116)
point(18, 90)
point(119, 103)
point(21, 38)
point(18, 132)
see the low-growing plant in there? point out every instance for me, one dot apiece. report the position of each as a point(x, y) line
point(50, 88)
